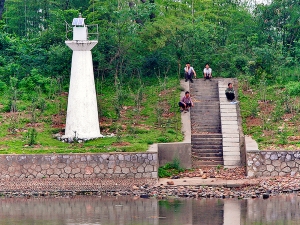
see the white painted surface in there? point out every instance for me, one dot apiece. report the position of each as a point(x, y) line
point(82, 113)
point(80, 33)
point(185, 117)
point(81, 45)
point(230, 129)
point(232, 212)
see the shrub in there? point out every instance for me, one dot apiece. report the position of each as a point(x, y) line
point(170, 169)
point(293, 88)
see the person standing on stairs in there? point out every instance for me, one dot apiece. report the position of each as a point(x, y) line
point(186, 102)
point(189, 72)
point(207, 72)
point(229, 92)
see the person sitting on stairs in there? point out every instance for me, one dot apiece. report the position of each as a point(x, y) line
point(207, 72)
point(189, 73)
point(229, 92)
point(186, 102)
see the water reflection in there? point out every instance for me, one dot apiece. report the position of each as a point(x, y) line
point(112, 211)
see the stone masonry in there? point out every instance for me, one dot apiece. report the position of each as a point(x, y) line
point(270, 163)
point(230, 128)
point(108, 165)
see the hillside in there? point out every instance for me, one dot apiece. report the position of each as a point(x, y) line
point(139, 59)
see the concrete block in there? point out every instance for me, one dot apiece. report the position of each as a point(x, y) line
point(228, 135)
point(230, 131)
point(226, 102)
point(231, 158)
point(232, 153)
point(167, 152)
point(250, 144)
point(231, 149)
point(231, 110)
point(231, 140)
point(228, 118)
point(229, 122)
point(232, 163)
point(229, 114)
point(228, 126)
point(152, 148)
point(231, 144)
point(228, 106)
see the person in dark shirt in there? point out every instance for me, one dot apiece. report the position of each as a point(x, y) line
point(229, 92)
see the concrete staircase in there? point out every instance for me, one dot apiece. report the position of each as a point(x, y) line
point(206, 134)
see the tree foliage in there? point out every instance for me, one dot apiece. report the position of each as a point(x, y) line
point(142, 38)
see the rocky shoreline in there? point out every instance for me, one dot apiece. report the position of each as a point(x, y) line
point(240, 187)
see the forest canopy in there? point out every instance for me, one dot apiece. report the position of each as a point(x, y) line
point(150, 37)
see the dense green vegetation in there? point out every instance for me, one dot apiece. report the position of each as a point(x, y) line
point(137, 63)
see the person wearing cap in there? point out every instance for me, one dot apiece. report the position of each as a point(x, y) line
point(189, 73)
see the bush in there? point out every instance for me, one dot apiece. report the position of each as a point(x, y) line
point(170, 169)
point(293, 88)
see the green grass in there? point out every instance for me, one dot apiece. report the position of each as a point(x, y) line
point(152, 118)
point(171, 168)
point(271, 117)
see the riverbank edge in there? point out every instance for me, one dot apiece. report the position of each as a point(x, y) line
point(151, 188)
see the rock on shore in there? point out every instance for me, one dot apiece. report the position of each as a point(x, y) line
point(147, 188)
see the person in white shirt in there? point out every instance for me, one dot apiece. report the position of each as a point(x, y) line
point(207, 72)
point(189, 72)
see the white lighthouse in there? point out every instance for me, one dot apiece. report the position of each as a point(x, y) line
point(82, 114)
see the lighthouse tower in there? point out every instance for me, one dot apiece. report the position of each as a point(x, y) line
point(82, 114)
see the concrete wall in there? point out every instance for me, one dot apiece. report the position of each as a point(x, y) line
point(116, 165)
point(167, 152)
point(270, 163)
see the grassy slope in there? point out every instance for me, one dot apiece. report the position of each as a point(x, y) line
point(154, 117)
point(270, 115)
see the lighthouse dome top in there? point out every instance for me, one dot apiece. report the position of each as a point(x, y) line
point(78, 22)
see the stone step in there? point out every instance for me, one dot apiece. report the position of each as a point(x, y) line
point(206, 99)
point(207, 112)
point(196, 131)
point(204, 138)
point(203, 141)
point(203, 106)
point(216, 120)
point(198, 163)
point(206, 126)
point(207, 151)
point(201, 146)
point(212, 155)
point(206, 95)
point(217, 135)
point(213, 120)
point(207, 119)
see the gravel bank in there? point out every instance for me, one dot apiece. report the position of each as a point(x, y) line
point(210, 185)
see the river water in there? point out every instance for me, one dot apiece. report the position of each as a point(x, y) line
point(92, 210)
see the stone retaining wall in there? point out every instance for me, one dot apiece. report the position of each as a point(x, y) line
point(113, 165)
point(272, 163)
